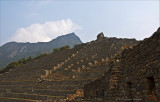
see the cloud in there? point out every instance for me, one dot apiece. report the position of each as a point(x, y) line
point(45, 32)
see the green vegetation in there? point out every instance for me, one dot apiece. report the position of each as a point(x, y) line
point(55, 50)
point(24, 61)
point(61, 48)
point(41, 55)
point(15, 64)
point(64, 48)
point(20, 63)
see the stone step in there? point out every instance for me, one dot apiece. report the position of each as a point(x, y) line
point(41, 87)
point(27, 96)
point(17, 82)
point(8, 99)
point(39, 91)
point(63, 82)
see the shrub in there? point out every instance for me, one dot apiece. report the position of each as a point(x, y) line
point(15, 64)
point(64, 48)
point(29, 58)
point(61, 48)
point(41, 55)
point(55, 50)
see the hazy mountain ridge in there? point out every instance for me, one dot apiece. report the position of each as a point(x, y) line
point(13, 51)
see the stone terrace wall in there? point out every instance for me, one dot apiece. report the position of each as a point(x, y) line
point(105, 88)
point(95, 90)
point(136, 78)
point(140, 68)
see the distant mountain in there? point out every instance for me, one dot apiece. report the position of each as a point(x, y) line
point(13, 51)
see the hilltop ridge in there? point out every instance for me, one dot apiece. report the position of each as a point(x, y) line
point(13, 51)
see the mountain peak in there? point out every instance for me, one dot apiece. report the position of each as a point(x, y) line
point(24, 50)
point(67, 35)
point(63, 38)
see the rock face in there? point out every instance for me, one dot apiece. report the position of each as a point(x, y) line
point(134, 76)
point(158, 29)
point(13, 51)
point(100, 36)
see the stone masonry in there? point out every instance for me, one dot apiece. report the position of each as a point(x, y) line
point(134, 76)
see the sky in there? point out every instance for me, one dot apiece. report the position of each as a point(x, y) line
point(43, 20)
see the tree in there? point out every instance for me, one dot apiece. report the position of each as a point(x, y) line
point(41, 55)
point(55, 50)
point(29, 58)
point(64, 48)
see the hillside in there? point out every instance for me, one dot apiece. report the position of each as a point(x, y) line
point(61, 75)
point(133, 77)
point(13, 51)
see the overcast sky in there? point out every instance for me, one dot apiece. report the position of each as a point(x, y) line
point(44, 20)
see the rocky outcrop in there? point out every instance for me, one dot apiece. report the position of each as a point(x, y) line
point(100, 36)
